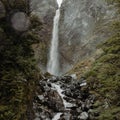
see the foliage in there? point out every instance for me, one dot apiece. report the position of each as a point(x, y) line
point(111, 114)
point(18, 72)
point(22, 5)
point(104, 76)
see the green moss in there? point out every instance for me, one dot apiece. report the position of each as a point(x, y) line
point(111, 114)
point(18, 72)
point(104, 76)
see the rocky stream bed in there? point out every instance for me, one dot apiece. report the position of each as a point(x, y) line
point(64, 98)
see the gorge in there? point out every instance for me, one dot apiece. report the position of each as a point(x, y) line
point(59, 59)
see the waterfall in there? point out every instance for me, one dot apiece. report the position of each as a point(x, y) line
point(53, 62)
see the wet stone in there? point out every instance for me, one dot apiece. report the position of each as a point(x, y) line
point(59, 92)
point(83, 116)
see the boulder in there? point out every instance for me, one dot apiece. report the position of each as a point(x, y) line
point(69, 98)
point(83, 116)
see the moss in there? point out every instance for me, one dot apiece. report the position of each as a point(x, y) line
point(104, 76)
point(18, 72)
point(97, 104)
point(111, 114)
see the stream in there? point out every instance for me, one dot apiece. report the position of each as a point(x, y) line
point(63, 98)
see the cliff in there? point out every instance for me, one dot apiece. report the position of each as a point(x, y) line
point(45, 10)
point(102, 73)
point(83, 25)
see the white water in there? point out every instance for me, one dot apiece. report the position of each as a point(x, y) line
point(53, 63)
point(59, 3)
point(67, 105)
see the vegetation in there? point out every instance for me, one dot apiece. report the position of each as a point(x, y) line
point(104, 76)
point(18, 72)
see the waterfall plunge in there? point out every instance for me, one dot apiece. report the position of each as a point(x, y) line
point(53, 63)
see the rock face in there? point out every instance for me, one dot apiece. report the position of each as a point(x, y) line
point(83, 26)
point(45, 10)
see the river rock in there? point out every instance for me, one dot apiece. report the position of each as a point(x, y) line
point(83, 116)
point(59, 96)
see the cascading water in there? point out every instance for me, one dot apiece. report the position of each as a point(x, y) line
point(53, 62)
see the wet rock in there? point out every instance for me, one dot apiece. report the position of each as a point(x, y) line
point(54, 101)
point(47, 75)
point(66, 116)
point(41, 97)
point(54, 79)
point(45, 116)
point(83, 116)
point(72, 87)
point(69, 98)
point(68, 93)
point(66, 79)
point(42, 8)
point(79, 110)
point(49, 85)
point(63, 86)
